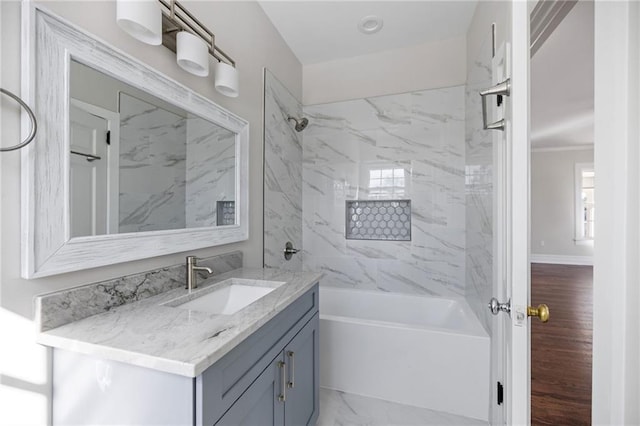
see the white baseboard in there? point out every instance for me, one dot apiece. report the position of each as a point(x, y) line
point(561, 260)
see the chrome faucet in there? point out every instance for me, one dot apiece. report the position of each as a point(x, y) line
point(192, 272)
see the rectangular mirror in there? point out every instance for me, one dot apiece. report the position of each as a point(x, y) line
point(140, 164)
point(127, 163)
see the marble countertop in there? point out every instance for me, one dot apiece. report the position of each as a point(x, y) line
point(150, 334)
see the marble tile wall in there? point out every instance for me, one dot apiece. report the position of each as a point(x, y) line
point(152, 167)
point(479, 189)
point(282, 175)
point(349, 150)
point(65, 306)
point(210, 168)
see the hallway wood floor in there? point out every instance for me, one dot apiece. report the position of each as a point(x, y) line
point(561, 349)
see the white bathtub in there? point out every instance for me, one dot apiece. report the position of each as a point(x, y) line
point(422, 351)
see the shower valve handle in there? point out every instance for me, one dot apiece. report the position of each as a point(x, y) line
point(289, 251)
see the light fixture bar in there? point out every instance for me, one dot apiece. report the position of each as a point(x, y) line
point(175, 17)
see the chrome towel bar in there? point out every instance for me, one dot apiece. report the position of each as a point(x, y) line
point(32, 117)
point(89, 157)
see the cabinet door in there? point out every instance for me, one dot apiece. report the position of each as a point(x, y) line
point(260, 404)
point(301, 358)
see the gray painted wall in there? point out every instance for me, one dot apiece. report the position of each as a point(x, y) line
point(425, 66)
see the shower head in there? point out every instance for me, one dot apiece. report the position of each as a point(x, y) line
point(300, 124)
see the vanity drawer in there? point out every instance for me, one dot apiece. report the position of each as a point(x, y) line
point(225, 381)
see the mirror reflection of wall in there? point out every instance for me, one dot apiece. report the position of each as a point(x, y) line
point(153, 156)
point(140, 164)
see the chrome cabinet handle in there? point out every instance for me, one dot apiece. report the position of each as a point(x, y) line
point(291, 382)
point(501, 89)
point(283, 395)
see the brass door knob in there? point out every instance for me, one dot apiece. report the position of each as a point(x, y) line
point(542, 312)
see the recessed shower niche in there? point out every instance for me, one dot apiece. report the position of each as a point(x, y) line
point(378, 220)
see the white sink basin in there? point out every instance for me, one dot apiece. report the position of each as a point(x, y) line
point(227, 297)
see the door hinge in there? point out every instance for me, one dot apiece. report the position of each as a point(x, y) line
point(500, 393)
point(108, 137)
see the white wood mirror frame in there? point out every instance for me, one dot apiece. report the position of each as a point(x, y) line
point(49, 43)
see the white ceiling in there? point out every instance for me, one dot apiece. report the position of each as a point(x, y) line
point(320, 31)
point(562, 83)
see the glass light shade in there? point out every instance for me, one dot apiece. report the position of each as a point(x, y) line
point(226, 80)
point(141, 19)
point(192, 54)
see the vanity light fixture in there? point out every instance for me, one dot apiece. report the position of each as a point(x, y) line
point(192, 54)
point(226, 81)
point(182, 33)
point(141, 19)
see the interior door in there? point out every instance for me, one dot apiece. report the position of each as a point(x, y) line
point(88, 173)
point(511, 373)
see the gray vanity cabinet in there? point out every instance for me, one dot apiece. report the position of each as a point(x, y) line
point(260, 404)
point(286, 392)
point(270, 378)
point(302, 372)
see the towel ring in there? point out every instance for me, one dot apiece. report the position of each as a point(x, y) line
point(32, 117)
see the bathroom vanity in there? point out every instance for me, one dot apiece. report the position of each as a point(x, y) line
point(158, 361)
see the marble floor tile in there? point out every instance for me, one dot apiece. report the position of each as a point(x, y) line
point(339, 408)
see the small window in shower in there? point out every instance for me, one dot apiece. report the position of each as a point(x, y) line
point(388, 220)
point(387, 182)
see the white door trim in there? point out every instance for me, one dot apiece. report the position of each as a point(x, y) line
point(616, 322)
point(518, 391)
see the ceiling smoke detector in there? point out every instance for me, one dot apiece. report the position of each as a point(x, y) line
point(370, 24)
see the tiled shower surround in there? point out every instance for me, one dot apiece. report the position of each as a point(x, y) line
point(407, 146)
point(282, 175)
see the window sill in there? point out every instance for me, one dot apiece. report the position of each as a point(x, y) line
point(584, 242)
